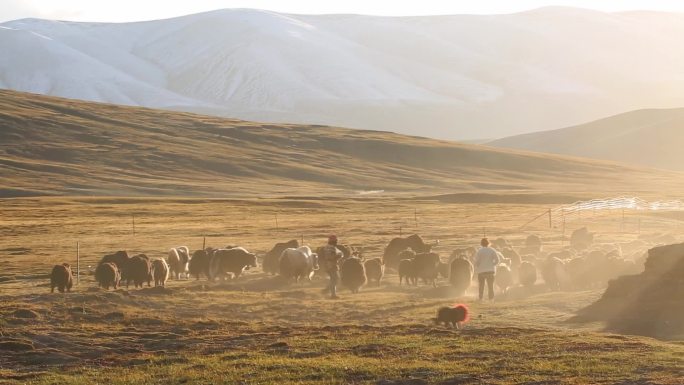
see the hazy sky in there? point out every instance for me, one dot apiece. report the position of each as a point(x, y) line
point(128, 10)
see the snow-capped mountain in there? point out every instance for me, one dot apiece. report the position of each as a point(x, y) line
point(456, 77)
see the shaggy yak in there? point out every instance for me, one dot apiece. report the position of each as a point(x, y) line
point(347, 251)
point(414, 242)
point(554, 273)
point(407, 272)
point(160, 272)
point(199, 263)
point(179, 257)
point(465, 252)
point(107, 274)
point(120, 259)
point(298, 263)
point(271, 261)
point(461, 275)
point(443, 270)
point(581, 239)
point(455, 315)
point(533, 245)
point(61, 278)
point(353, 274)
point(407, 254)
point(527, 274)
point(375, 270)
point(231, 261)
point(512, 255)
point(139, 270)
point(504, 277)
point(426, 267)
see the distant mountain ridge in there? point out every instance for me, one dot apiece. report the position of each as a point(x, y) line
point(55, 146)
point(453, 77)
point(652, 138)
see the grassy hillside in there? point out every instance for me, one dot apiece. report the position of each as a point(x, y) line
point(53, 146)
point(645, 137)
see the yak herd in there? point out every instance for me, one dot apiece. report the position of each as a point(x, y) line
point(576, 266)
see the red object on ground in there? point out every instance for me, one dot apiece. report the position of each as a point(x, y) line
point(466, 312)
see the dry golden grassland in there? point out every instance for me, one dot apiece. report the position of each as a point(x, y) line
point(319, 180)
point(258, 330)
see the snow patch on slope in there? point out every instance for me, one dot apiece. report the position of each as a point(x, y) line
point(444, 76)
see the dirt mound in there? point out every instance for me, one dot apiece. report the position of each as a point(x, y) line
point(15, 345)
point(647, 304)
point(25, 313)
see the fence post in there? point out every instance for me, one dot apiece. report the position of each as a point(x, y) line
point(550, 223)
point(204, 243)
point(133, 216)
point(563, 234)
point(276, 220)
point(78, 262)
point(535, 218)
point(415, 217)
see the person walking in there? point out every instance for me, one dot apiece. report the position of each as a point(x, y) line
point(486, 260)
point(331, 257)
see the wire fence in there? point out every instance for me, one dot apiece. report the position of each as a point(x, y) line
point(153, 229)
point(558, 216)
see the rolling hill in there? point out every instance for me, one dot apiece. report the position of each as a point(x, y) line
point(652, 138)
point(55, 146)
point(451, 77)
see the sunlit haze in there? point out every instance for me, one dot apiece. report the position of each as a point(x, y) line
point(126, 10)
point(367, 192)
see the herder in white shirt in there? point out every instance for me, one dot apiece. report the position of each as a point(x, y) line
point(486, 260)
